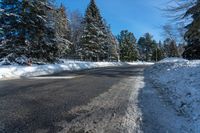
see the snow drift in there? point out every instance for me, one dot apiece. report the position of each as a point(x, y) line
point(16, 71)
point(178, 80)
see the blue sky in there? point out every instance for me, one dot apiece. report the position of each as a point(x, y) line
point(137, 16)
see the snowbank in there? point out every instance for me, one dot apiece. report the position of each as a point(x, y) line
point(15, 71)
point(174, 59)
point(178, 80)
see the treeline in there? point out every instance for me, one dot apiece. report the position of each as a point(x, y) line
point(32, 31)
point(36, 31)
point(146, 48)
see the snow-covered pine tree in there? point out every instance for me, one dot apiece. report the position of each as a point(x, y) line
point(170, 48)
point(157, 51)
point(192, 36)
point(142, 48)
point(13, 44)
point(146, 45)
point(62, 29)
point(29, 31)
point(111, 47)
point(128, 47)
point(46, 45)
point(76, 26)
point(94, 37)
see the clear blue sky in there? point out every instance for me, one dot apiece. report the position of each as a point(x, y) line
point(137, 16)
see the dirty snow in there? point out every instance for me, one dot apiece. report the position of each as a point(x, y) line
point(178, 81)
point(16, 71)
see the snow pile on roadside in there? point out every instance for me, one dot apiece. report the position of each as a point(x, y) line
point(16, 71)
point(178, 80)
point(174, 59)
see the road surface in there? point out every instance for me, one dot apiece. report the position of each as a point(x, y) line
point(103, 100)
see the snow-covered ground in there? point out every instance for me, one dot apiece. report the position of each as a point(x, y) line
point(178, 80)
point(16, 71)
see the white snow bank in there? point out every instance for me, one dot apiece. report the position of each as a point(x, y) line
point(174, 59)
point(15, 71)
point(178, 80)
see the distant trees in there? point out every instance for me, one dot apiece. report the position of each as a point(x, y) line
point(170, 48)
point(38, 31)
point(128, 46)
point(146, 49)
point(158, 54)
point(146, 46)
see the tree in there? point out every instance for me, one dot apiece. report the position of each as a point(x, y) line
point(175, 11)
point(62, 29)
point(192, 50)
point(158, 52)
point(146, 45)
point(169, 32)
point(127, 44)
point(170, 48)
point(94, 37)
point(13, 43)
point(111, 45)
point(29, 31)
point(46, 45)
point(76, 26)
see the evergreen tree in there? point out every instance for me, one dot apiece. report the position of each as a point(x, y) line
point(158, 52)
point(192, 50)
point(46, 44)
point(170, 48)
point(62, 29)
point(128, 48)
point(142, 48)
point(94, 37)
point(12, 41)
point(146, 46)
point(76, 26)
point(29, 31)
point(111, 45)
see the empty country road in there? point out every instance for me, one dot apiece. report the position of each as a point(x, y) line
point(103, 100)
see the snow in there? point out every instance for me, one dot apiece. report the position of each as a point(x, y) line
point(16, 71)
point(174, 59)
point(178, 80)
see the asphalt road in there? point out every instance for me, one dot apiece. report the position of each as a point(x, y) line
point(36, 104)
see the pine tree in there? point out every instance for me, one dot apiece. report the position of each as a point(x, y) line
point(170, 48)
point(192, 50)
point(142, 48)
point(94, 37)
point(146, 45)
point(76, 26)
point(158, 52)
point(128, 48)
point(29, 31)
point(111, 45)
point(46, 44)
point(13, 43)
point(62, 29)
